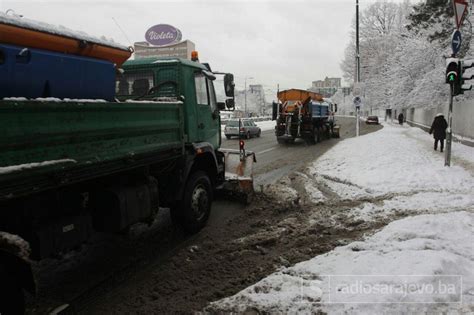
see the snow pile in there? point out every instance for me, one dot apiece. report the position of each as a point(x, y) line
point(399, 165)
point(418, 264)
point(60, 30)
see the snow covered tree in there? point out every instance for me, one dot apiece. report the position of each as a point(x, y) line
point(403, 50)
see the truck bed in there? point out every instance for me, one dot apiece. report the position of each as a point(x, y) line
point(50, 142)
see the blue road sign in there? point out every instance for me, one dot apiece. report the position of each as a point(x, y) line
point(456, 41)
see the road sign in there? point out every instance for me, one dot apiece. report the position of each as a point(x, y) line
point(460, 11)
point(456, 41)
point(357, 101)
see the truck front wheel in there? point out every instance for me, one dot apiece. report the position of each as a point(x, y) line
point(194, 209)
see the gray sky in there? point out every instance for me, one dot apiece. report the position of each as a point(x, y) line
point(287, 42)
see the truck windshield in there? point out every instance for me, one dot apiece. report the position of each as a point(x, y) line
point(134, 83)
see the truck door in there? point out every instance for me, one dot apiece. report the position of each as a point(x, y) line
point(208, 120)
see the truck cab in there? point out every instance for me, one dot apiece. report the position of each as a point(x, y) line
point(168, 79)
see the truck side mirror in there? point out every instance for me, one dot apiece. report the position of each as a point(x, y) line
point(229, 84)
point(274, 110)
point(230, 103)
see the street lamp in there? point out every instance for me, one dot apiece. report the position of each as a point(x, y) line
point(245, 97)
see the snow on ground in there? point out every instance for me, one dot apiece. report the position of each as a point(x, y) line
point(266, 125)
point(422, 263)
point(399, 167)
point(393, 160)
point(419, 264)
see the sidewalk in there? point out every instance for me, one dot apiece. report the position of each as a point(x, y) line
point(421, 263)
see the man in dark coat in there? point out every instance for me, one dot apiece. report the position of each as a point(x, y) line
point(438, 129)
point(400, 118)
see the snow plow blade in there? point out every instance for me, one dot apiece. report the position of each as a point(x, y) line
point(238, 174)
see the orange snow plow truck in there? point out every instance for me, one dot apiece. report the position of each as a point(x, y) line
point(304, 114)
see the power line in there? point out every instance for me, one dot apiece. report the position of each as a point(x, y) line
point(123, 32)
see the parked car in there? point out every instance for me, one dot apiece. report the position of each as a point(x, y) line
point(248, 128)
point(372, 120)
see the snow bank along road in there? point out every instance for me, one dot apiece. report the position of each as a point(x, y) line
point(158, 269)
point(423, 263)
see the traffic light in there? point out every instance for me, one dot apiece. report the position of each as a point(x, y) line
point(455, 76)
point(452, 74)
point(463, 65)
point(242, 149)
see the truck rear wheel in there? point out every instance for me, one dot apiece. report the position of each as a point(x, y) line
point(12, 300)
point(193, 211)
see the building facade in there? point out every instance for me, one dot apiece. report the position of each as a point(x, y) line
point(180, 50)
point(327, 87)
point(253, 100)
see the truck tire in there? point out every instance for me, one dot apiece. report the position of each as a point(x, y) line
point(228, 137)
point(12, 300)
point(314, 137)
point(194, 209)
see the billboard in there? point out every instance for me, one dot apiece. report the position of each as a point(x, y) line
point(163, 35)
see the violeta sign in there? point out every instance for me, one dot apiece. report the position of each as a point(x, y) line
point(162, 35)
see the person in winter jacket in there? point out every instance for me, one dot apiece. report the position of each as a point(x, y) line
point(438, 129)
point(400, 118)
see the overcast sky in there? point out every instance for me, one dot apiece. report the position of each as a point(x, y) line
point(290, 43)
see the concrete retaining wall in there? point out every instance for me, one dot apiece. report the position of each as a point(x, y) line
point(463, 119)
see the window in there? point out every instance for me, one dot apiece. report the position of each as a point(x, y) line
point(134, 83)
point(212, 95)
point(201, 89)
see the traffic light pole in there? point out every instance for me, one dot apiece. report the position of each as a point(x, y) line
point(449, 136)
point(358, 119)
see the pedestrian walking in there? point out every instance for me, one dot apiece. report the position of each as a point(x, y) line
point(438, 129)
point(400, 119)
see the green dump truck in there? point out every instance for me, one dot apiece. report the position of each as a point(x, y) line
point(69, 168)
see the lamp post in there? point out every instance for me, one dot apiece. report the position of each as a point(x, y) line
point(245, 95)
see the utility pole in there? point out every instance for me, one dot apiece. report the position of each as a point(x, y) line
point(357, 67)
point(245, 96)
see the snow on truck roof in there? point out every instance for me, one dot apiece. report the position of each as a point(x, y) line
point(18, 21)
point(163, 60)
